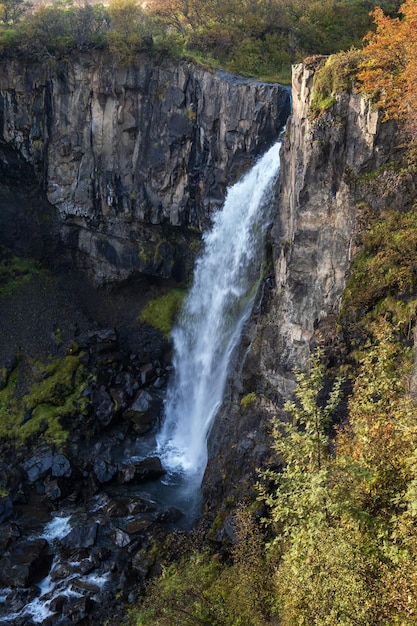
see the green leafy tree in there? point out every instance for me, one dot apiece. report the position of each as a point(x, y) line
point(323, 566)
point(129, 32)
point(11, 11)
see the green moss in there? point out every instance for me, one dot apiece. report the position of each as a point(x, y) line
point(142, 254)
point(161, 312)
point(333, 77)
point(15, 271)
point(54, 393)
point(247, 400)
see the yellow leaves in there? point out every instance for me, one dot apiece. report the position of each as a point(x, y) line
point(389, 70)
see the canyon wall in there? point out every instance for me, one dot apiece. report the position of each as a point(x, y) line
point(323, 191)
point(129, 155)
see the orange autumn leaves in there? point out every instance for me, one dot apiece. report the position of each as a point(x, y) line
point(389, 70)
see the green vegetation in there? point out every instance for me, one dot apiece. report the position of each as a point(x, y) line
point(340, 526)
point(200, 589)
point(260, 39)
point(55, 392)
point(336, 74)
point(15, 271)
point(248, 399)
point(383, 277)
point(162, 311)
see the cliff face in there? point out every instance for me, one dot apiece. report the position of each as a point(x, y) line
point(324, 163)
point(127, 154)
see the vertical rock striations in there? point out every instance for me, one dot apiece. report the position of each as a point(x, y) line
point(126, 154)
point(314, 239)
point(316, 224)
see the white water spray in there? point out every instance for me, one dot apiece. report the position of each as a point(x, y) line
point(210, 324)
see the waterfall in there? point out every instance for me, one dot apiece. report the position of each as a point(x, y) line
point(209, 327)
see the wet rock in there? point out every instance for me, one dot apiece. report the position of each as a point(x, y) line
point(53, 490)
point(19, 598)
point(121, 538)
point(138, 526)
point(144, 411)
point(99, 554)
point(104, 471)
point(38, 465)
point(115, 508)
point(170, 516)
point(159, 382)
point(57, 604)
point(60, 571)
point(25, 563)
point(142, 471)
point(82, 536)
point(103, 406)
point(85, 587)
point(147, 372)
point(86, 566)
point(138, 505)
point(61, 467)
point(78, 609)
point(6, 509)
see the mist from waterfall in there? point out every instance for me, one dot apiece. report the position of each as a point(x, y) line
point(209, 327)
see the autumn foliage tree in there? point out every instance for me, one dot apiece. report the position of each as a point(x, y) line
point(389, 70)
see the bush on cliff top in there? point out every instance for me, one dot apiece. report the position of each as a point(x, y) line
point(253, 38)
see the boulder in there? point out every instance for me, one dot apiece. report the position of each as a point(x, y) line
point(144, 411)
point(38, 465)
point(103, 406)
point(61, 467)
point(25, 563)
point(121, 538)
point(77, 609)
point(142, 471)
point(104, 471)
point(81, 537)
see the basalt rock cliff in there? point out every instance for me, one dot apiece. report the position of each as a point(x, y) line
point(128, 155)
point(328, 175)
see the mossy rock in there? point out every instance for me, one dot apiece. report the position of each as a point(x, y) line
point(55, 392)
point(161, 312)
point(15, 271)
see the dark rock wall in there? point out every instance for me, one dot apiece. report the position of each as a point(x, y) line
point(127, 154)
point(313, 239)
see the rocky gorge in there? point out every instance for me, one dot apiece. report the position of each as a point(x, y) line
point(108, 176)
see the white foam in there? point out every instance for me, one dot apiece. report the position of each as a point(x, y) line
point(212, 318)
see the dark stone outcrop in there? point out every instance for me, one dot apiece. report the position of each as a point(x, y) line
point(126, 155)
point(25, 564)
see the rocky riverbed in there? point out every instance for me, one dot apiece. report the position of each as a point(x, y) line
point(80, 518)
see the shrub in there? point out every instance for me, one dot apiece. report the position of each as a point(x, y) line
point(335, 75)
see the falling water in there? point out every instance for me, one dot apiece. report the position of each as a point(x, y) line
point(209, 327)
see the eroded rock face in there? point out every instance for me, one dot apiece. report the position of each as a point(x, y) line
point(317, 222)
point(314, 239)
point(127, 154)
